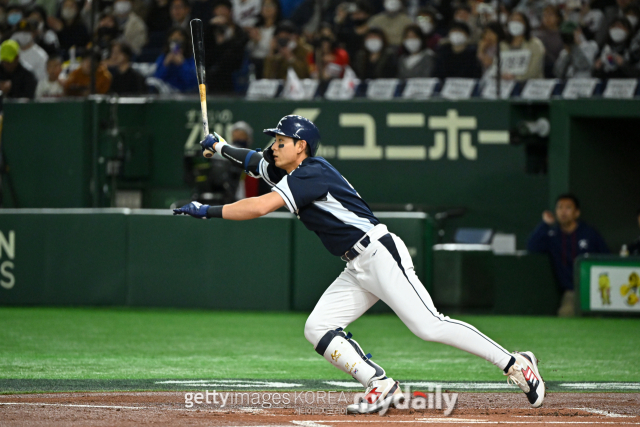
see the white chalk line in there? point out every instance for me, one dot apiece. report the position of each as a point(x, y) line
point(76, 405)
point(605, 413)
point(194, 409)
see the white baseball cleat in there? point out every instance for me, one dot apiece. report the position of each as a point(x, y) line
point(381, 394)
point(524, 373)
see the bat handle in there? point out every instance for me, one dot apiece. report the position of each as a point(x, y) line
point(205, 117)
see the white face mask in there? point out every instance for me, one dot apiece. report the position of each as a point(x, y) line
point(373, 45)
point(457, 38)
point(425, 25)
point(292, 44)
point(633, 20)
point(515, 28)
point(412, 45)
point(617, 34)
point(504, 18)
point(392, 5)
point(23, 38)
point(122, 7)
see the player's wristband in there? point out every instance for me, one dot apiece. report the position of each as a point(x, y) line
point(214, 212)
point(219, 146)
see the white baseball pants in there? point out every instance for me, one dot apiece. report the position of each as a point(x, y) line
point(384, 270)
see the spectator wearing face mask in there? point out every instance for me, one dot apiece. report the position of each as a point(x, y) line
point(43, 35)
point(176, 67)
point(32, 56)
point(578, 54)
point(16, 81)
point(612, 12)
point(132, 27)
point(287, 51)
point(615, 59)
point(427, 21)
point(377, 59)
point(457, 58)
point(351, 25)
point(15, 13)
point(69, 27)
point(519, 38)
point(416, 60)
point(549, 35)
point(392, 21)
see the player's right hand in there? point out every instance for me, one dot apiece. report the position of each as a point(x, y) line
point(195, 209)
point(211, 140)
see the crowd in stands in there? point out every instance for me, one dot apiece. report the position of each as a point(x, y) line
point(47, 43)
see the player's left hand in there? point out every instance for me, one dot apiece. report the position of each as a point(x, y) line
point(195, 209)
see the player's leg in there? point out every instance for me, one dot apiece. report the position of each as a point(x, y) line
point(391, 277)
point(342, 303)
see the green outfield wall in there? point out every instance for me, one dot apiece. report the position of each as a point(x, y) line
point(434, 155)
point(147, 258)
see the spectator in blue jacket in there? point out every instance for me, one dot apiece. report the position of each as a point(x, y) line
point(176, 67)
point(563, 237)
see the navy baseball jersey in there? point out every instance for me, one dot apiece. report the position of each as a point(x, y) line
point(323, 200)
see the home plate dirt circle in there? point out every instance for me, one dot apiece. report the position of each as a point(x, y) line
point(168, 408)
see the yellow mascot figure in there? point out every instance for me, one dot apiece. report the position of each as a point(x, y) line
point(605, 288)
point(630, 290)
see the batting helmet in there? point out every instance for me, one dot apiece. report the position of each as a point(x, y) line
point(297, 127)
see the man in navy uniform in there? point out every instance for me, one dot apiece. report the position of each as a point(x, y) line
point(564, 240)
point(378, 263)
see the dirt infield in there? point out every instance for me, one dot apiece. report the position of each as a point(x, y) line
point(168, 408)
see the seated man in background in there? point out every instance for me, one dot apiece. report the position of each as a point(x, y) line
point(563, 237)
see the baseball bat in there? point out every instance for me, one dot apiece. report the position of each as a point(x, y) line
point(197, 37)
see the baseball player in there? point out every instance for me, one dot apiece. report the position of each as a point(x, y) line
point(378, 264)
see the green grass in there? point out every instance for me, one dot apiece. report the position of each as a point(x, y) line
point(141, 344)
